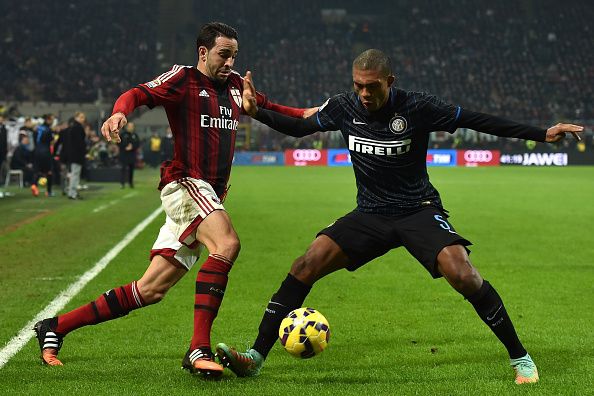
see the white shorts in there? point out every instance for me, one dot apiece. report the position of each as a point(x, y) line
point(186, 203)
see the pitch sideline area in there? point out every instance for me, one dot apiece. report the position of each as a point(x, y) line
point(58, 303)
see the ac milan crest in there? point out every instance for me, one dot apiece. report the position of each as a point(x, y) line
point(236, 96)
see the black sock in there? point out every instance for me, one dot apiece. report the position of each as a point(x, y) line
point(289, 296)
point(491, 310)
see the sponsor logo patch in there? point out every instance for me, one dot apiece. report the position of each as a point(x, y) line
point(154, 83)
point(379, 147)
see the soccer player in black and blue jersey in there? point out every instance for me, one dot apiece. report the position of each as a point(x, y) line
point(387, 132)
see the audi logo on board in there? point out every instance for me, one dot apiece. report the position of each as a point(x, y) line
point(478, 155)
point(307, 155)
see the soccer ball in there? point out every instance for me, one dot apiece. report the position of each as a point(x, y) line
point(42, 181)
point(304, 333)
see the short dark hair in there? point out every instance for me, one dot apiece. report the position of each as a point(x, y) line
point(209, 33)
point(373, 59)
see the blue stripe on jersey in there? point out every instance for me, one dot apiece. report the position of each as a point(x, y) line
point(318, 118)
point(458, 113)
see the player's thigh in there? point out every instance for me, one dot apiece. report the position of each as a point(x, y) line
point(197, 215)
point(216, 230)
point(426, 233)
point(167, 245)
point(362, 237)
point(322, 257)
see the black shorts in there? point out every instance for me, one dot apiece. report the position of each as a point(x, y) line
point(364, 236)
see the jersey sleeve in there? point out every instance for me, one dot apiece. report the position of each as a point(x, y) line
point(330, 114)
point(264, 102)
point(168, 88)
point(441, 115)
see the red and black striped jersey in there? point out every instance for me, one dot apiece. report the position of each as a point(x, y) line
point(203, 115)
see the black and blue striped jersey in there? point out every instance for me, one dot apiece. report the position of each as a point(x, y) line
point(388, 147)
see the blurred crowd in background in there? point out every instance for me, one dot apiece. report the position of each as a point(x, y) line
point(528, 60)
point(68, 51)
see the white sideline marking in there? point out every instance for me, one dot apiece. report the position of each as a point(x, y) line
point(110, 203)
point(107, 205)
point(58, 303)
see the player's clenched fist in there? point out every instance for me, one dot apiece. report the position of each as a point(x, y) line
point(112, 126)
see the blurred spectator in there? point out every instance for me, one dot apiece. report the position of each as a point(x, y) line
point(42, 156)
point(167, 146)
point(28, 129)
point(154, 152)
point(128, 146)
point(22, 159)
point(3, 149)
point(74, 150)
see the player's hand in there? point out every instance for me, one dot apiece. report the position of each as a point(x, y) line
point(557, 132)
point(309, 112)
point(112, 126)
point(250, 104)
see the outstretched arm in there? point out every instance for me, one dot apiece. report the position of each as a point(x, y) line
point(265, 103)
point(505, 128)
point(286, 110)
point(297, 127)
point(126, 103)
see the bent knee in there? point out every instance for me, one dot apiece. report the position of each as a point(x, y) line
point(463, 279)
point(455, 266)
point(229, 247)
point(307, 269)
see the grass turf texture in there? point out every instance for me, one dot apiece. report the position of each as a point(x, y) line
point(394, 330)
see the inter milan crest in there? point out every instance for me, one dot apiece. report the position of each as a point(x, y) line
point(398, 124)
point(236, 96)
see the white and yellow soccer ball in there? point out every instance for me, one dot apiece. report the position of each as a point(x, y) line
point(42, 181)
point(304, 333)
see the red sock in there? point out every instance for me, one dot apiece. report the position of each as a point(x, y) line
point(210, 289)
point(110, 305)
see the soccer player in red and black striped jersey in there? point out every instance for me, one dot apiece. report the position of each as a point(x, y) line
point(203, 105)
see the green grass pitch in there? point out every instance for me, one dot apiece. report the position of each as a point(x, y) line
point(394, 329)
